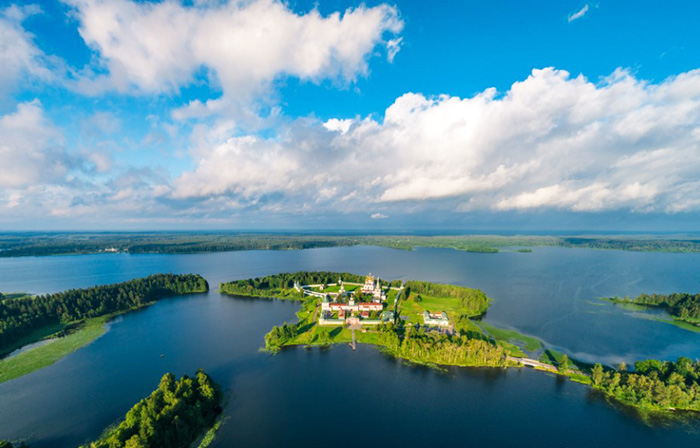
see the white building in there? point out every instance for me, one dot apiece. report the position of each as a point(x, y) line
point(438, 319)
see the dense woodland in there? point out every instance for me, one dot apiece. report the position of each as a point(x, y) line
point(272, 285)
point(416, 345)
point(20, 317)
point(654, 385)
point(173, 416)
point(472, 301)
point(681, 305)
point(37, 244)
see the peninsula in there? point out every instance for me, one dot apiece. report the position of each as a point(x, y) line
point(63, 322)
point(683, 307)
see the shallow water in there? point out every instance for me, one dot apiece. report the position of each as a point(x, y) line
point(337, 396)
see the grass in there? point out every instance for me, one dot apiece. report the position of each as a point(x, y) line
point(35, 336)
point(414, 310)
point(48, 354)
point(680, 323)
point(336, 288)
point(529, 343)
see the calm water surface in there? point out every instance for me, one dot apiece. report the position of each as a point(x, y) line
point(320, 397)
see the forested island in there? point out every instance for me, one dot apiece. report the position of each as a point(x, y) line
point(42, 244)
point(75, 317)
point(175, 415)
point(682, 306)
point(460, 343)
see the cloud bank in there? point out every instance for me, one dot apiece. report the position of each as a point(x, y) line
point(551, 141)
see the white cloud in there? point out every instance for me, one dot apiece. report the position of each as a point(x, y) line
point(551, 141)
point(578, 14)
point(242, 46)
point(31, 149)
point(378, 216)
point(19, 56)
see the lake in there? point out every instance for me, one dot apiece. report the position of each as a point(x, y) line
point(316, 397)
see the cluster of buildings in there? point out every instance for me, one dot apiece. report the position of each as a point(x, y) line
point(351, 308)
point(362, 305)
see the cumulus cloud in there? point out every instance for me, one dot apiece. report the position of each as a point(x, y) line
point(551, 141)
point(378, 216)
point(31, 149)
point(242, 46)
point(578, 14)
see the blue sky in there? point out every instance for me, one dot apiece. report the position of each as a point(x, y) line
point(257, 114)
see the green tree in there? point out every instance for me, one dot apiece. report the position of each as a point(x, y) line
point(597, 375)
point(564, 363)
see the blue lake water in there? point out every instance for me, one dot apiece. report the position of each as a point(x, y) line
point(319, 397)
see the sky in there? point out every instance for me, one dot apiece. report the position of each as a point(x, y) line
point(341, 115)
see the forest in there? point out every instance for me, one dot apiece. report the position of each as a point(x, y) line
point(40, 244)
point(20, 317)
point(416, 345)
point(654, 385)
point(423, 347)
point(281, 285)
point(176, 414)
point(683, 306)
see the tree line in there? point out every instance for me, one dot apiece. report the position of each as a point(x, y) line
point(20, 317)
point(173, 416)
point(654, 385)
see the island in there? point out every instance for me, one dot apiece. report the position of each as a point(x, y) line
point(63, 322)
point(437, 324)
point(421, 322)
point(178, 414)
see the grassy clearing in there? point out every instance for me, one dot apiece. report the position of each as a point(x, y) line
point(529, 343)
point(413, 310)
point(44, 356)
